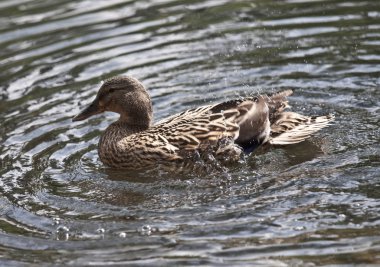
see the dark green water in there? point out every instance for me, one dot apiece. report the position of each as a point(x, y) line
point(315, 203)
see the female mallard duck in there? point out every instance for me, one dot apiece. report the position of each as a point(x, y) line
point(221, 130)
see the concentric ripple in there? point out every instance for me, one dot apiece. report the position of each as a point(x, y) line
point(311, 204)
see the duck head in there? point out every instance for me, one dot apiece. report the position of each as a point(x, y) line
point(124, 95)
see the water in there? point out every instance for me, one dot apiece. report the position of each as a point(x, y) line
point(315, 203)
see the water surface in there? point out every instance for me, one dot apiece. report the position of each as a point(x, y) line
point(315, 203)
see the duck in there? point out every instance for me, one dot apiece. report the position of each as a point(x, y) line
point(224, 131)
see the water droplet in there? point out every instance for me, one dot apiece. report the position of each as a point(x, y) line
point(100, 231)
point(146, 230)
point(123, 235)
point(62, 229)
point(62, 233)
point(56, 220)
point(299, 228)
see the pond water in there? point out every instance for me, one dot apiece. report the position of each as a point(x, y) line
point(315, 203)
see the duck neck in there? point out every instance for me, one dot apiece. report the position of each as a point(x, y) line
point(136, 122)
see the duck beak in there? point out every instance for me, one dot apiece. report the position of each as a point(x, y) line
point(91, 110)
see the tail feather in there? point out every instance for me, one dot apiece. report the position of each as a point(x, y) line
point(292, 128)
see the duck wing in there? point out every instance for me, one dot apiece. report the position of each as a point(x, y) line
point(277, 103)
point(290, 127)
point(196, 128)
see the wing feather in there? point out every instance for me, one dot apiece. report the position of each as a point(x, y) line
point(195, 127)
point(292, 128)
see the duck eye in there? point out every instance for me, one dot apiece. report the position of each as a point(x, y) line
point(255, 99)
point(111, 90)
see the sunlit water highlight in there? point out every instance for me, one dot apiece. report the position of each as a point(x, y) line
point(309, 204)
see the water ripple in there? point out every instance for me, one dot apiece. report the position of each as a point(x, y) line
point(310, 204)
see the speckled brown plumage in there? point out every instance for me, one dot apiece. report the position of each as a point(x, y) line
point(221, 131)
